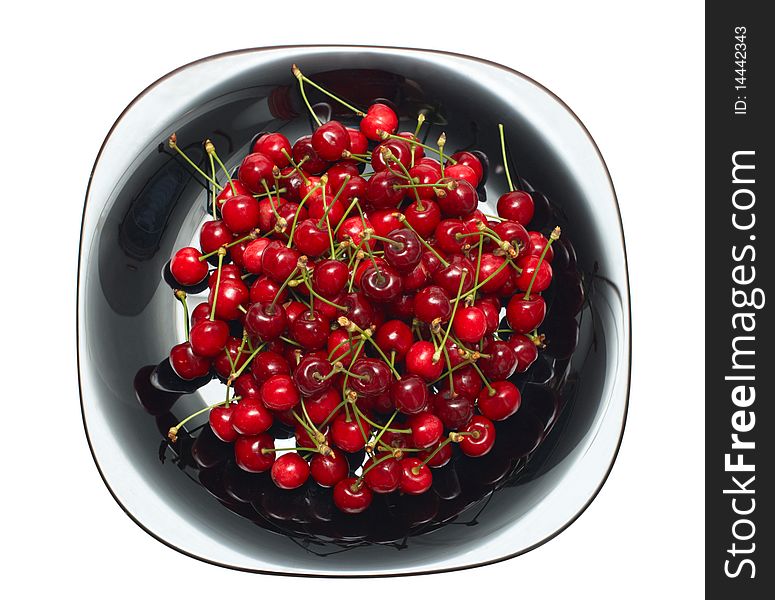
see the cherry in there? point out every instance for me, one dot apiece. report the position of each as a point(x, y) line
point(227, 272)
point(525, 349)
point(200, 313)
point(339, 347)
point(235, 188)
point(266, 212)
point(311, 330)
point(347, 434)
point(290, 471)
point(384, 221)
point(266, 321)
point(365, 264)
point(232, 293)
point(416, 278)
point(379, 117)
point(431, 303)
point(213, 235)
point(250, 417)
point(382, 473)
point(501, 362)
point(427, 429)
point(353, 228)
point(529, 266)
point(462, 172)
point(491, 314)
point(492, 266)
point(409, 394)
point(246, 387)
point(483, 440)
point(459, 201)
point(418, 150)
point(302, 149)
point(437, 459)
point(186, 267)
point(465, 381)
point(425, 175)
point(272, 145)
point(416, 477)
point(524, 315)
point(220, 423)
point(328, 470)
point(237, 356)
point(394, 336)
point(449, 277)
point(303, 437)
point(501, 404)
point(423, 219)
point(447, 232)
point(400, 151)
point(381, 285)
point(419, 360)
point(279, 393)
point(256, 170)
point(405, 251)
point(352, 497)
point(248, 452)
point(323, 405)
point(516, 206)
point(469, 324)
point(471, 161)
point(310, 239)
point(453, 412)
point(240, 214)
point(279, 261)
point(253, 254)
point(537, 244)
point(371, 377)
point(381, 191)
point(264, 289)
point(513, 232)
point(330, 140)
point(312, 375)
point(359, 143)
point(330, 277)
point(186, 364)
point(358, 309)
point(208, 338)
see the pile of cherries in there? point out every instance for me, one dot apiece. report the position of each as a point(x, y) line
point(355, 294)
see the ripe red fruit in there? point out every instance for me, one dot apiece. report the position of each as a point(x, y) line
point(256, 170)
point(516, 206)
point(232, 293)
point(250, 417)
point(290, 471)
point(419, 360)
point(409, 394)
point(525, 315)
point(383, 473)
point(501, 404)
point(329, 470)
point(529, 265)
point(469, 324)
point(186, 267)
point(352, 496)
point(427, 429)
point(248, 452)
point(481, 443)
point(272, 145)
point(379, 117)
point(279, 393)
point(330, 140)
point(416, 478)
point(186, 364)
point(220, 423)
point(240, 214)
point(208, 338)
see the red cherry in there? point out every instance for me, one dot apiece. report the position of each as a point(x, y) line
point(502, 361)
point(469, 324)
point(462, 172)
point(359, 143)
point(279, 393)
point(213, 235)
point(232, 293)
point(423, 220)
point(323, 405)
point(525, 315)
point(410, 394)
point(372, 377)
point(352, 497)
point(460, 201)
point(513, 232)
point(251, 418)
point(427, 429)
point(186, 267)
point(453, 412)
point(256, 170)
point(381, 191)
point(235, 188)
point(208, 338)
point(500, 404)
point(347, 434)
point(279, 261)
point(525, 349)
point(385, 476)
point(491, 315)
point(400, 151)
point(384, 221)
point(471, 161)
point(379, 117)
point(290, 471)
point(237, 356)
point(200, 313)
point(227, 272)
point(419, 360)
point(310, 239)
point(432, 303)
point(264, 289)
point(394, 336)
point(440, 458)
point(330, 140)
point(266, 212)
point(246, 387)
point(416, 477)
point(266, 322)
point(269, 363)
point(248, 452)
point(310, 330)
point(516, 206)
point(240, 214)
point(381, 285)
point(410, 137)
point(272, 145)
point(492, 273)
point(449, 277)
point(482, 443)
point(529, 265)
point(537, 244)
point(220, 423)
point(302, 149)
point(186, 364)
point(447, 232)
point(352, 228)
point(425, 174)
point(339, 347)
point(329, 470)
point(253, 255)
point(415, 279)
point(330, 277)
point(405, 251)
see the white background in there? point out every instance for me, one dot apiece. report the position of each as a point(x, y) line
point(635, 78)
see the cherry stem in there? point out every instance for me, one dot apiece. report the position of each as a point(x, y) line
point(210, 149)
point(298, 210)
point(296, 166)
point(358, 416)
point(311, 430)
point(215, 194)
point(246, 363)
point(488, 278)
point(306, 101)
point(290, 341)
point(383, 429)
point(437, 353)
point(342, 404)
point(460, 365)
point(279, 221)
point(370, 467)
point(301, 77)
point(353, 204)
point(181, 295)
point(251, 236)
point(449, 368)
point(413, 143)
point(339, 345)
point(172, 434)
point(355, 354)
point(385, 135)
point(404, 221)
point(283, 286)
point(276, 191)
point(221, 254)
point(318, 296)
point(441, 143)
point(328, 207)
point(505, 161)
point(377, 425)
point(438, 449)
point(490, 389)
point(173, 143)
point(555, 235)
point(369, 337)
point(347, 155)
point(394, 243)
point(478, 266)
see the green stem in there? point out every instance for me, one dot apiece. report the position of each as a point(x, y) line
point(552, 237)
point(221, 254)
point(301, 77)
point(503, 152)
point(181, 295)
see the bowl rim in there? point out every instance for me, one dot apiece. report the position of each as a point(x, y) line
point(626, 295)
